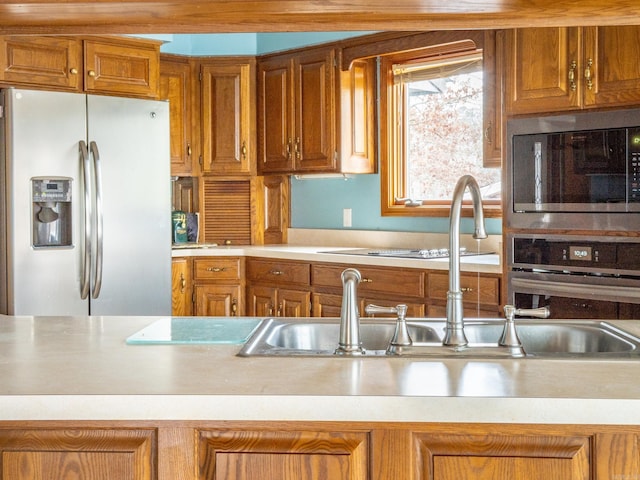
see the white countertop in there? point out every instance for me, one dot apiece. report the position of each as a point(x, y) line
point(474, 263)
point(80, 368)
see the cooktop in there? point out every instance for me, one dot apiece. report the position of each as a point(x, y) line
point(426, 253)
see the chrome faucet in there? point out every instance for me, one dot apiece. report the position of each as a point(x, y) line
point(349, 343)
point(454, 335)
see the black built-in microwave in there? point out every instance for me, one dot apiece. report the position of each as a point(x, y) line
point(577, 171)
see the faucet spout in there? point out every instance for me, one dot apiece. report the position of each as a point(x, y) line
point(454, 335)
point(350, 343)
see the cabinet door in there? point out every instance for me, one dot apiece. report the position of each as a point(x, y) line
point(261, 301)
point(314, 144)
point(181, 303)
point(175, 86)
point(543, 70)
point(357, 117)
point(293, 303)
point(275, 116)
point(611, 66)
point(493, 125)
point(487, 457)
point(227, 113)
point(121, 67)
point(42, 61)
point(218, 300)
point(276, 208)
point(95, 454)
point(283, 455)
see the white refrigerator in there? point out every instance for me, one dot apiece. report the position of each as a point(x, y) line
point(85, 207)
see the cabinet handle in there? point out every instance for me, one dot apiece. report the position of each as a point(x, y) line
point(271, 310)
point(234, 307)
point(279, 314)
point(297, 148)
point(188, 149)
point(587, 74)
point(572, 75)
point(487, 133)
point(289, 143)
point(216, 269)
point(244, 149)
point(276, 272)
point(183, 283)
point(366, 280)
point(73, 71)
point(91, 73)
point(466, 289)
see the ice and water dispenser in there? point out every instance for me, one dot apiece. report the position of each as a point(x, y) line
point(51, 212)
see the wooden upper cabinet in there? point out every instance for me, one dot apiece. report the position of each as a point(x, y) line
point(611, 66)
point(313, 138)
point(105, 65)
point(41, 61)
point(228, 114)
point(557, 69)
point(175, 86)
point(121, 66)
point(313, 118)
point(356, 116)
point(275, 111)
point(539, 68)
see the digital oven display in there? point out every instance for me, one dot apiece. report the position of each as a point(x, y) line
point(580, 253)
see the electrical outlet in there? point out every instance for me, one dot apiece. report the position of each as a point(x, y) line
point(346, 217)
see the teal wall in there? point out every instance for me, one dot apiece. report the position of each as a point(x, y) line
point(317, 203)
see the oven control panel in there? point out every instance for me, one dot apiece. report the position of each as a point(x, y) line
point(543, 253)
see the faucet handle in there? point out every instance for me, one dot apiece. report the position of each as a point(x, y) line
point(401, 335)
point(511, 312)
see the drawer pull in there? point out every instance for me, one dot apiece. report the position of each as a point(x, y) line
point(366, 280)
point(466, 289)
point(216, 269)
point(276, 272)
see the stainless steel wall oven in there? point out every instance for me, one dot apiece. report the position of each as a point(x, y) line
point(575, 276)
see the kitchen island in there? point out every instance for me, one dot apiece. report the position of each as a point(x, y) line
point(187, 410)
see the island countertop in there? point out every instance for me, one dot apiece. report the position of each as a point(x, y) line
point(78, 368)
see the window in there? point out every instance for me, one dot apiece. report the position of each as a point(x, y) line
point(434, 129)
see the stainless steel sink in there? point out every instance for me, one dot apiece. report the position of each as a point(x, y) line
point(543, 339)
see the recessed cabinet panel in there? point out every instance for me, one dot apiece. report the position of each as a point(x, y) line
point(114, 67)
point(41, 61)
point(175, 86)
point(228, 113)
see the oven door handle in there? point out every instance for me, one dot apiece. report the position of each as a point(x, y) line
point(562, 289)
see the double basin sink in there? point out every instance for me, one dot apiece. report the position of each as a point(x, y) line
point(540, 339)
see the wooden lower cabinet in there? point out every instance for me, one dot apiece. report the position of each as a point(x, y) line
point(218, 286)
point(181, 287)
point(87, 454)
point(218, 300)
point(329, 305)
point(283, 450)
point(283, 455)
point(278, 302)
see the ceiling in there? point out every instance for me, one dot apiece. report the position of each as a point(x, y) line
point(210, 16)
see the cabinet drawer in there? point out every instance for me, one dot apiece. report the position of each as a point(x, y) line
point(483, 290)
point(218, 268)
point(275, 272)
point(404, 282)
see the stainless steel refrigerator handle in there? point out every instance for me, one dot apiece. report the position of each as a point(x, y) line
point(86, 245)
point(97, 171)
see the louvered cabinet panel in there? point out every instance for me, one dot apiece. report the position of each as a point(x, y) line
point(227, 211)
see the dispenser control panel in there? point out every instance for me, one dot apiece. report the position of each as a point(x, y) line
point(51, 190)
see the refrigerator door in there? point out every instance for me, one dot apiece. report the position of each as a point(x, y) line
point(131, 139)
point(41, 136)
